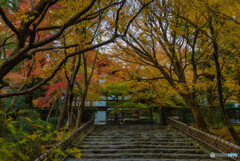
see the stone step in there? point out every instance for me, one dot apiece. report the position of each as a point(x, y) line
point(86, 146)
point(143, 137)
point(129, 131)
point(136, 137)
point(139, 126)
point(147, 150)
point(73, 159)
point(146, 156)
point(132, 130)
point(123, 130)
point(139, 142)
point(135, 133)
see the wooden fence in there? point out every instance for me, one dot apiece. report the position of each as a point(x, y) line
point(70, 140)
point(220, 145)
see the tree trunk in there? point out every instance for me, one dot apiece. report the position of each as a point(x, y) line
point(71, 119)
point(58, 111)
point(70, 108)
point(84, 92)
point(116, 113)
point(50, 111)
point(69, 91)
point(238, 80)
point(64, 109)
point(190, 100)
point(220, 93)
point(1, 104)
point(164, 119)
point(80, 112)
point(29, 100)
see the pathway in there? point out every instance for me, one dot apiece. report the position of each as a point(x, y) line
point(139, 142)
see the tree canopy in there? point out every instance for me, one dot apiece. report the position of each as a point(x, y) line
point(58, 56)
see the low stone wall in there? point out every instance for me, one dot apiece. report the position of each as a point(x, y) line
point(220, 145)
point(76, 135)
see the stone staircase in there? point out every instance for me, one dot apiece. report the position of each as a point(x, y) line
point(139, 142)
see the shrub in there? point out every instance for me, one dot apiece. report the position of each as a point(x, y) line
point(22, 139)
point(229, 105)
point(53, 121)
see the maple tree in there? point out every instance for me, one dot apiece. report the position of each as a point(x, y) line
point(49, 46)
point(184, 43)
point(41, 29)
point(32, 35)
point(219, 45)
point(83, 91)
point(215, 27)
point(55, 53)
point(156, 41)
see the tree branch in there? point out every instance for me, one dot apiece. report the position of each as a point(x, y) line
point(7, 22)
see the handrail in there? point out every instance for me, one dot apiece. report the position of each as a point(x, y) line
point(68, 140)
point(212, 141)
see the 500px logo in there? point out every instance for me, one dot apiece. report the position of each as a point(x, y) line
point(230, 155)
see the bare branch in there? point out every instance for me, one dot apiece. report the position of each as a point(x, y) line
point(58, 68)
point(70, 22)
point(8, 22)
point(134, 17)
point(51, 48)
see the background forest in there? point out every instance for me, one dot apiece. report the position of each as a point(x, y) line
point(55, 55)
